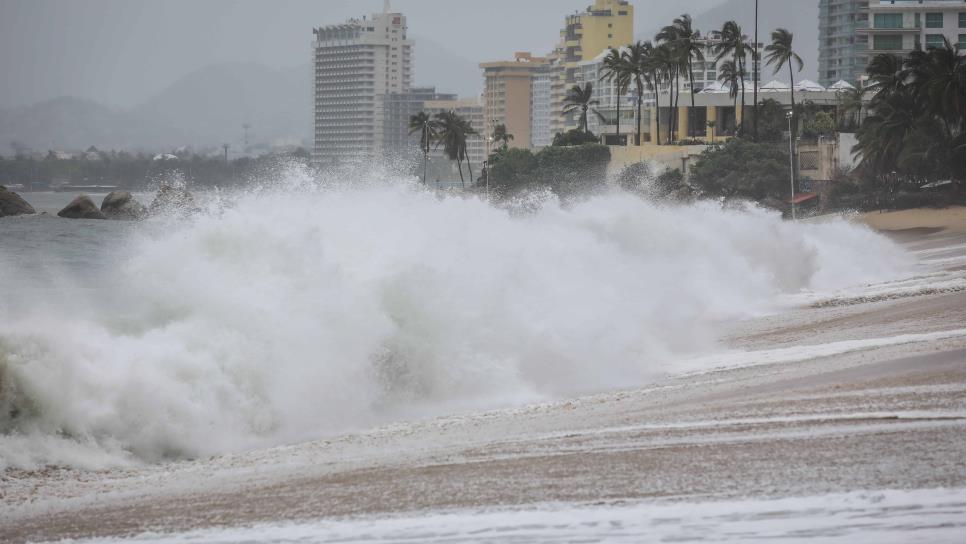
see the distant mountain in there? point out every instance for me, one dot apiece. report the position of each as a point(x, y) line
point(799, 16)
point(212, 104)
point(75, 123)
point(450, 73)
point(206, 108)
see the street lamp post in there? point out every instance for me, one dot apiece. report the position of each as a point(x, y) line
point(791, 160)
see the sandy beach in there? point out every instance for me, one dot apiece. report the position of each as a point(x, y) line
point(832, 396)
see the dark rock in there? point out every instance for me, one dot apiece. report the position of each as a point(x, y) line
point(81, 207)
point(12, 204)
point(121, 205)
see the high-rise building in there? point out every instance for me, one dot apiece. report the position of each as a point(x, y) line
point(540, 113)
point(508, 96)
point(357, 64)
point(841, 48)
point(901, 26)
point(398, 144)
point(605, 24)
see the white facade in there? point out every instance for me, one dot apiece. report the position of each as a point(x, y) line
point(901, 26)
point(356, 65)
point(540, 109)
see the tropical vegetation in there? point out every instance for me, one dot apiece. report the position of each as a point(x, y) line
point(448, 130)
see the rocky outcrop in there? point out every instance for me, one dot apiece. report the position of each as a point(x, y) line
point(81, 207)
point(172, 199)
point(12, 204)
point(122, 205)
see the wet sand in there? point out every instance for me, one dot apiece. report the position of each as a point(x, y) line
point(891, 416)
point(919, 220)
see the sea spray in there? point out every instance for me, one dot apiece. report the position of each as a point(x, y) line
point(292, 313)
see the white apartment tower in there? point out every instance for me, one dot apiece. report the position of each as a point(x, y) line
point(357, 64)
point(900, 26)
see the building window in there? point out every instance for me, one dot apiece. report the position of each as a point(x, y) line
point(934, 20)
point(962, 19)
point(888, 20)
point(887, 43)
point(934, 40)
point(962, 42)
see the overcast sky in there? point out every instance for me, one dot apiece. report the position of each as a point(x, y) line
point(120, 52)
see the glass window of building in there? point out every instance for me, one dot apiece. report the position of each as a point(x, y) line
point(934, 20)
point(962, 19)
point(934, 40)
point(887, 42)
point(888, 20)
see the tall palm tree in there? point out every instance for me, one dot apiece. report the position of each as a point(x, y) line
point(781, 52)
point(688, 45)
point(426, 127)
point(500, 134)
point(581, 99)
point(728, 74)
point(667, 63)
point(616, 71)
point(639, 65)
point(453, 134)
point(755, 57)
point(734, 43)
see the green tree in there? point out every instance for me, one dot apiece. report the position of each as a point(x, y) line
point(687, 43)
point(734, 43)
point(730, 75)
point(581, 100)
point(616, 71)
point(742, 169)
point(666, 64)
point(639, 64)
point(500, 134)
point(454, 131)
point(781, 52)
point(426, 126)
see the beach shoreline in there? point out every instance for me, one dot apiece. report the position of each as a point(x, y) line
point(889, 414)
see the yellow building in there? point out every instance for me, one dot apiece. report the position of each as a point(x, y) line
point(508, 96)
point(606, 24)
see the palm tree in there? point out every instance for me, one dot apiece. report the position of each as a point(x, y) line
point(886, 74)
point(581, 99)
point(426, 127)
point(945, 84)
point(780, 53)
point(755, 75)
point(851, 102)
point(616, 71)
point(666, 64)
point(734, 43)
point(729, 75)
point(638, 63)
point(687, 44)
point(453, 133)
point(500, 134)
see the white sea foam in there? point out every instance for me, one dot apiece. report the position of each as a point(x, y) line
point(884, 517)
point(294, 313)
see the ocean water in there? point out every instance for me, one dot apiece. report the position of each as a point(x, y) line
point(298, 310)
